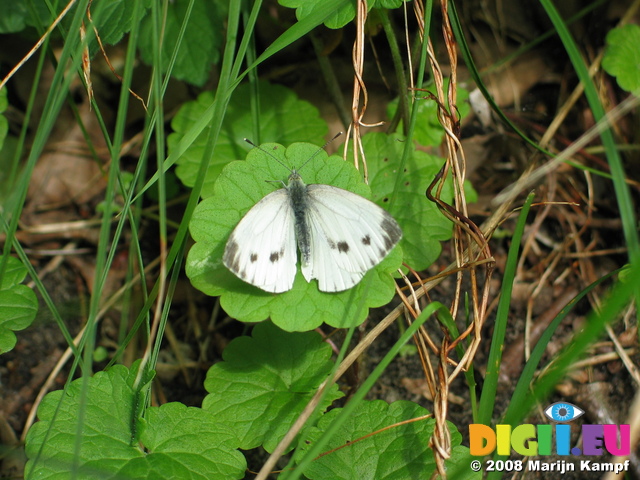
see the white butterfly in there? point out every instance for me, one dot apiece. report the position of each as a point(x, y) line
point(340, 236)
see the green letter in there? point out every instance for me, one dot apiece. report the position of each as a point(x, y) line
point(523, 440)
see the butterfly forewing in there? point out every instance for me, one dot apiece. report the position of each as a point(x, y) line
point(262, 248)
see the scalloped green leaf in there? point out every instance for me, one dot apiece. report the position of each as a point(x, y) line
point(265, 381)
point(423, 225)
point(13, 16)
point(14, 272)
point(18, 303)
point(342, 16)
point(114, 21)
point(111, 19)
point(186, 443)
point(388, 4)
point(240, 186)
point(91, 433)
point(200, 46)
point(283, 118)
point(622, 57)
point(362, 449)
point(307, 8)
point(106, 434)
point(18, 308)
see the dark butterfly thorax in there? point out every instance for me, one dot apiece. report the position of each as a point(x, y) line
point(299, 202)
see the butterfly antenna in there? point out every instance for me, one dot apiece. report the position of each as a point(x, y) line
point(267, 152)
point(320, 149)
point(280, 162)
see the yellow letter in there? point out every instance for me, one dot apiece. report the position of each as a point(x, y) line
point(503, 432)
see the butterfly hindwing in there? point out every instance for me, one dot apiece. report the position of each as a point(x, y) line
point(262, 248)
point(322, 264)
point(349, 235)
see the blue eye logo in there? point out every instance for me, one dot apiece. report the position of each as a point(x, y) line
point(563, 412)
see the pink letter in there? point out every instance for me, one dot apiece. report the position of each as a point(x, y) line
point(611, 439)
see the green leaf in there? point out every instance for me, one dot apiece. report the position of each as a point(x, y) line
point(265, 381)
point(388, 4)
point(283, 118)
point(344, 15)
point(200, 46)
point(92, 435)
point(113, 21)
point(18, 303)
point(20, 14)
point(186, 442)
point(106, 434)
point(13, 274)
point(307, 8)
point(622, 57)
point(428, 131)
point(13, 16)
point(240, 186)
point(398, 452)
point(423, 225)
point(43, 16)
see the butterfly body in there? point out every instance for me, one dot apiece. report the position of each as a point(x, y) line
point(298, 199)
point(340, 236)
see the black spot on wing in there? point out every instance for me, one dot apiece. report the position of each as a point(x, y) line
point(231, 259)
point(343, 247)
point(391, 232)
point(231, 251)
point(276, 256)
point(366, 240)
point(388, 243)
point(235, 266)
point(253, 258)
